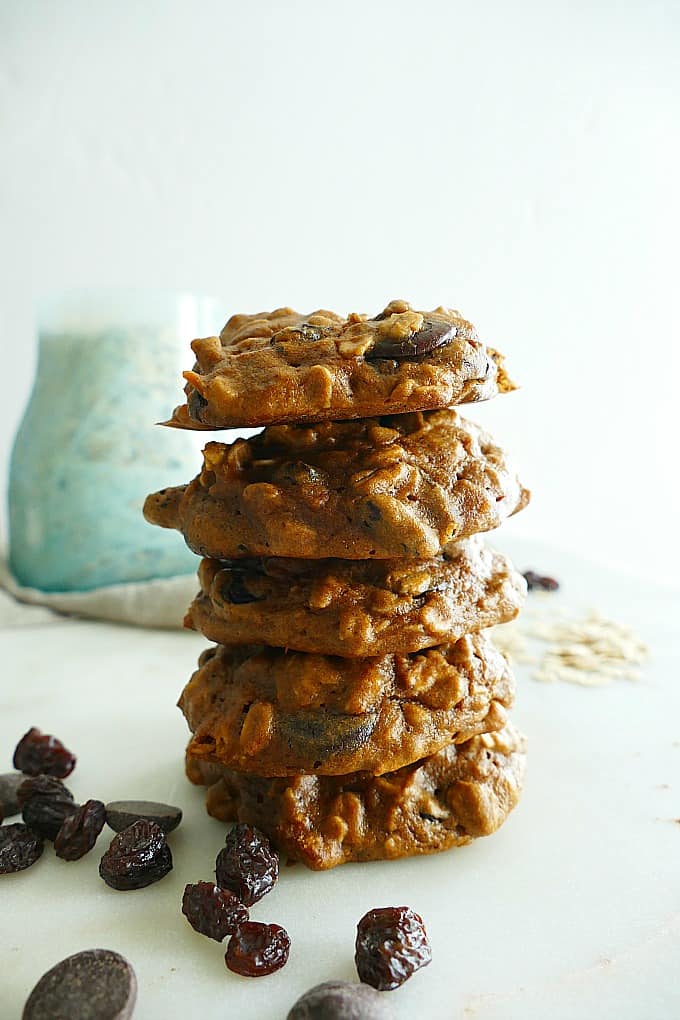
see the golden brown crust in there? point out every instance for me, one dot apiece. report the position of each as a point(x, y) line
point(398, 486)
point(274, 713)
point(282, 367)
point(357, 607)
point(462, 792)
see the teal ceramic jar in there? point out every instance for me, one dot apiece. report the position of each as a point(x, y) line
point(88, 449)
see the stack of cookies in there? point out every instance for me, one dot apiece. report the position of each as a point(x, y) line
point(353, 707)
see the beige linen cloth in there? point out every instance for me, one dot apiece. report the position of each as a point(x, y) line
point(158, 603)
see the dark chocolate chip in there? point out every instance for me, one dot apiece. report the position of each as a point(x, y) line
point(341, 1000)
point(122, 813)
point(321, 734)
point(96, 984)
point(432, 335)
point(9, 788)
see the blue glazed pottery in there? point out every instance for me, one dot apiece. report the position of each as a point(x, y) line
point(88, 449)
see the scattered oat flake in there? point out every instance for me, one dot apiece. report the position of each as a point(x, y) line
point(589, 651)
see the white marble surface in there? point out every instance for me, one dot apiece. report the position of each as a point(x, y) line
point(571, 910)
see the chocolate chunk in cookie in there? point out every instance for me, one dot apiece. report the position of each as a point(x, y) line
point(281, 367)
point(278, 713)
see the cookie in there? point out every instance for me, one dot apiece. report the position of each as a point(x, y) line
point(275, 713)
point(357, 607)
point(383, 488)
point(281, 367)
point(456, 795)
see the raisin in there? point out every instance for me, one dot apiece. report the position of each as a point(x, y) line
point(9, 790)
point(138, 856)
point(45, 803)
point(213, 911)
point(122, 813)
point(79, 831)
point(41, 786)
point(248, 865)
point(38, 753)
point(236, 591)
point(19, 848)
point(96, 984)
point(341, 1000)
point(391, 945)
point(432, 335)
point(257, 949)
point(537, 582)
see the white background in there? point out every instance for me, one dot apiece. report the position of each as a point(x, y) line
point(519, 161)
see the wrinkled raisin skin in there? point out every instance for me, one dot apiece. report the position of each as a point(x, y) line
point(255, 949)
point(391, 945)
point(45, 803)
point(19, 848)
point(213, 911)
point(79, 831)
point(39, 752)
point(42, 786)
point(138, 856)
point(248, 865)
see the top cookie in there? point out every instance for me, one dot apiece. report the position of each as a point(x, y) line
point(280, 367)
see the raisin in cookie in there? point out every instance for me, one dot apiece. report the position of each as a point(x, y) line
point(357, 607)
point(461, 792)
point(279, 367)
point(390, 487)
point(279, 713)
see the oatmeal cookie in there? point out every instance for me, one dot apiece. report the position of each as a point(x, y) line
point(281, 367)
point(357, 607)
point(391, 487)
point(275, 713)
point(461, 792)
